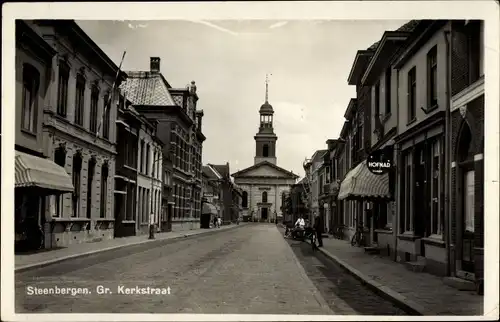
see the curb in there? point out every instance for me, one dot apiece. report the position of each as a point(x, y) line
point(28, 267)
point(397, 298)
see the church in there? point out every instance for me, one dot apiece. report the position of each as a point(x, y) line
point(263, 183)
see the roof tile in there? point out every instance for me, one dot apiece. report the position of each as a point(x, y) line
point(146, 88)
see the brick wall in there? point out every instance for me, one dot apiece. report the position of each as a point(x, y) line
point(459, 58)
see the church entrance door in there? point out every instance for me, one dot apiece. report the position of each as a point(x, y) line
point(263, 214)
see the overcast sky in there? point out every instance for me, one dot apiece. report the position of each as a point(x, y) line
point(309, 62)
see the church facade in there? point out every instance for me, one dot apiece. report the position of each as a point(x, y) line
point(263, 183)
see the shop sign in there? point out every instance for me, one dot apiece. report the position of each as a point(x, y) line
point(379, 162)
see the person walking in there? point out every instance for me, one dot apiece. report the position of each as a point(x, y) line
point(219, 222)
point(318, 227)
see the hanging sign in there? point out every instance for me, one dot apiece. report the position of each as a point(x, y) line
point(379, 162)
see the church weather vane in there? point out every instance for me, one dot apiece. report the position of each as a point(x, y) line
point(267, 87)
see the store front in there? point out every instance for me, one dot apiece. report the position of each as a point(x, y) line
point(35, 179)
point(362, 187)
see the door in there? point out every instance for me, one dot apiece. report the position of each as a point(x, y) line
point(169, 216)
point(468, 222)
point(263, 214)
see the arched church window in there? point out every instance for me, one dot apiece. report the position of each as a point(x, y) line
point(265, 150)
point(264, 196)
point(244, 201)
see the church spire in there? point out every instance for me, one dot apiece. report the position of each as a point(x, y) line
point(267, 88)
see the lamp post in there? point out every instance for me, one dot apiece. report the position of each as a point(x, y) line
point(151, 216)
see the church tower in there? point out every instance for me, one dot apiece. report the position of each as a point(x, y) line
point(265, 139)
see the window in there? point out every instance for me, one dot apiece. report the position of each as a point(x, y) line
point(388, 76)
point(31, 84)
point(408, 191)
point(377, 101)
point(94, 105)
point(107, 116)
point(79, 100)
point(265, 151)
point(474, 45)
point(432, 79)
point(77, 168)
point(60, 160)
point(90, 182)
point(153, 170)
point(412, 94)
point(62, 90)
point(264, 197)
point(437, 220)
point(147, 160)
point(141, 160)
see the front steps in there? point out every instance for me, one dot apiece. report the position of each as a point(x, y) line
point(417, 266)
point(460, 284)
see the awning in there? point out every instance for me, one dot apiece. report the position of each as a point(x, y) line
point(209, 208)
point(36, 172)
point(360, 183)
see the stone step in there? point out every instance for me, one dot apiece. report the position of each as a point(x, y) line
point(460, 283)
point(416, 266)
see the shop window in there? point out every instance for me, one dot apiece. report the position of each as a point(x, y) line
point(104, 190)
point(407, 192)
point(60, 160)
point(436, 189)
point(76, 177)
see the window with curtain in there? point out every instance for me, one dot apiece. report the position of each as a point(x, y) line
point(29, 109)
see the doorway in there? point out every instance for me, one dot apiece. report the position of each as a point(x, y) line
point(264, 214)
point(468, 221)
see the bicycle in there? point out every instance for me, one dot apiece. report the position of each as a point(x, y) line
point(311, 236)
point(358, 239)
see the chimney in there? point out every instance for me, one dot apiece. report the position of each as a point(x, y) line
point(154, 64)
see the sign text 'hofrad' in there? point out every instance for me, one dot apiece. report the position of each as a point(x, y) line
point(378, 163)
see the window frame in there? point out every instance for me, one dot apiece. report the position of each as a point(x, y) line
point(94, 109)
point(412, 94)
point(80, 89)
point(432, 78)
point(31, 81)
point(62, 88)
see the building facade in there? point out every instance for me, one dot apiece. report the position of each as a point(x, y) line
point(211, 193)
point(466, 227)
point(263, 183)
point(128, 125)
point(180, 128)
point(79, 134)
point(33, 61)
point(149, 177)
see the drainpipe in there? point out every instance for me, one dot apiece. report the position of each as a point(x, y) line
point(447, 155)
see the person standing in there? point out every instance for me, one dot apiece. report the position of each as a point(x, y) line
point(318, 227)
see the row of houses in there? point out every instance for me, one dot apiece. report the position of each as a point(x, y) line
point(221, 196)
point(419, 103)
point(100, 152)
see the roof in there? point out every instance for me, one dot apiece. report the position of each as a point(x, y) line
point(209, 172)
point(147, 88)
point(266, 108)
point(289, 173)
point(222, 169)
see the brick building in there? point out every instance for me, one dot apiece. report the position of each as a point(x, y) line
point(180, 128)
point(33, 62)
point(467, 148)
point(79, 133)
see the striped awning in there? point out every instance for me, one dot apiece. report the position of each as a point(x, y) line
point(209, 208)
point(35, 172)
point(360, 183)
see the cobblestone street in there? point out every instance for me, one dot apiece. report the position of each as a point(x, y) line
point(247, 270)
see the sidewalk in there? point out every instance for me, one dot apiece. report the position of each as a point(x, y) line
point(423, 293)
point(44, 258)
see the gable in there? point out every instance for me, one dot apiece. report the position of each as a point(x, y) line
point(264, 170)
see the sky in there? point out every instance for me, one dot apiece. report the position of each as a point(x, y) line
point(309, 62)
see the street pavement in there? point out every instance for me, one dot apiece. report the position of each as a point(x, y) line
point(344, 294)
point(247, 270)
